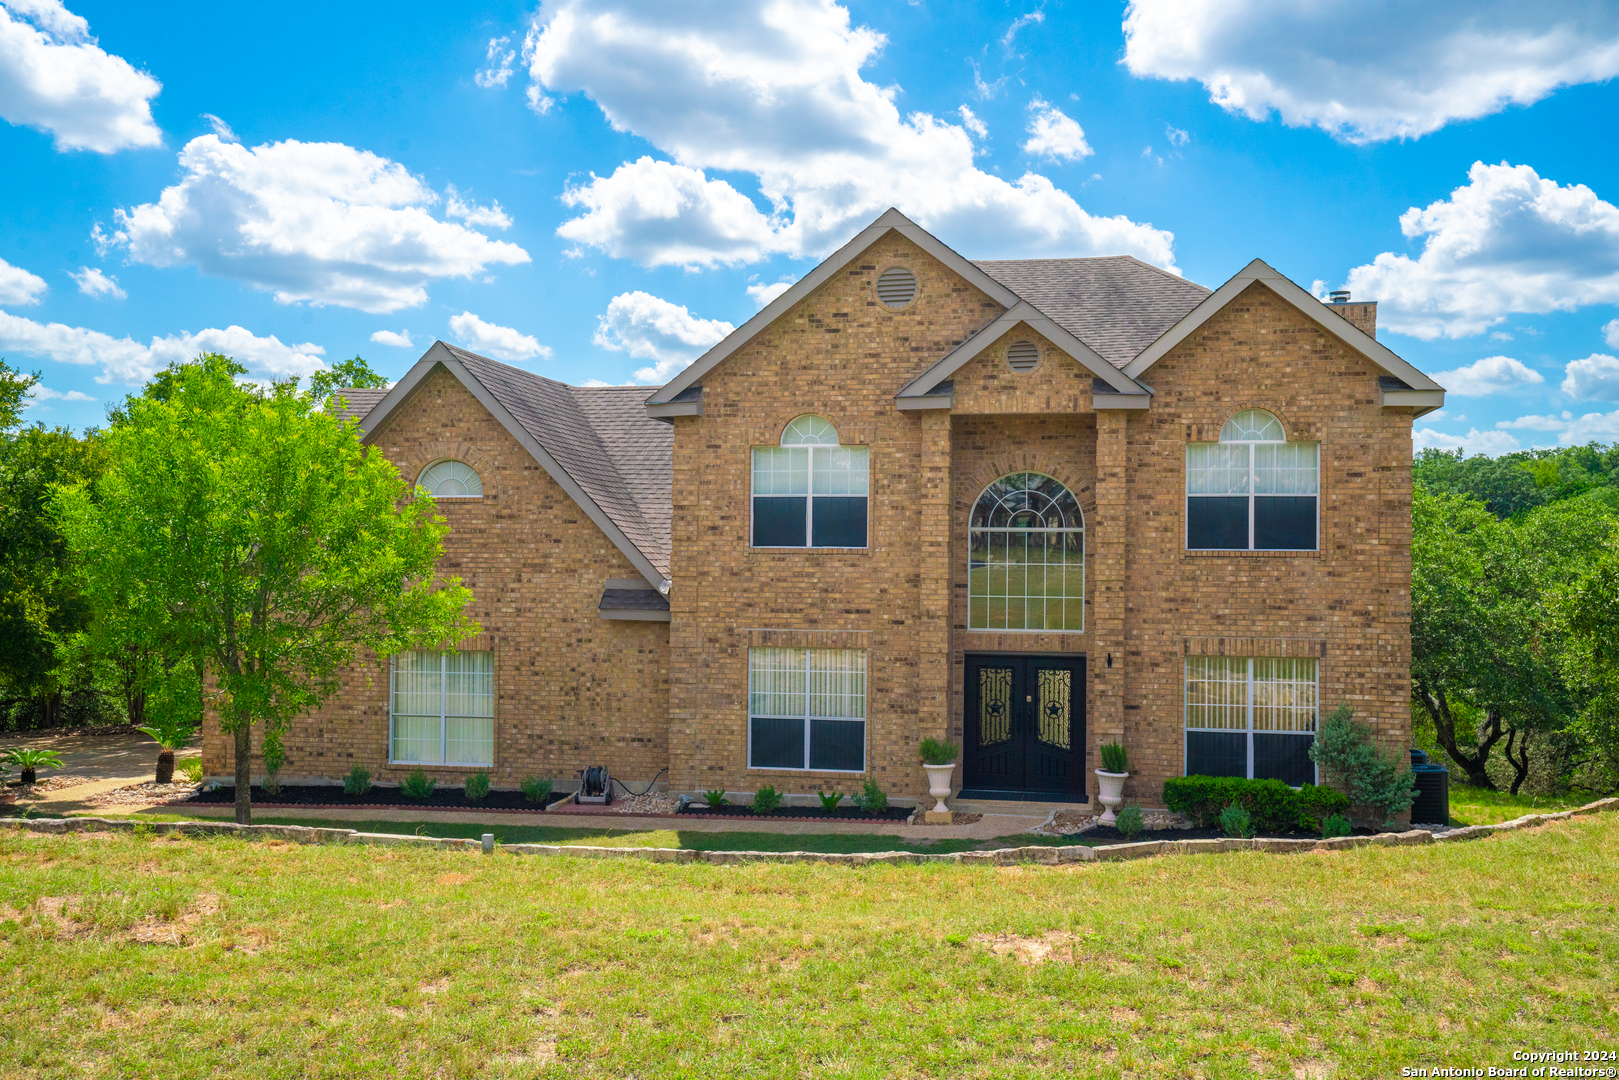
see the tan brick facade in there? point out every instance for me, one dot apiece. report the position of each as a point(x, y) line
point(576, 690)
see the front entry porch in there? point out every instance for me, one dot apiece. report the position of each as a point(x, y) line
point(1024, 729)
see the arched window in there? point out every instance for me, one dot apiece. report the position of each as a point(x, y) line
point(1252, 490)
point(1026, 556)
point(451, 480)
point(810, 491)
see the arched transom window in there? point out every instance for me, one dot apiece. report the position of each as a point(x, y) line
point(1026, 556)
point(1252, 490)
point(451, 480)
point(810, 491)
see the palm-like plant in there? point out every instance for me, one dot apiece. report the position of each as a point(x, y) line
point(171, 731)
point(29, 759)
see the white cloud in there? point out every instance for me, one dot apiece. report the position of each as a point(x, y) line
point(500, 63)
point(1488, 443)
point(128, 361)
point(1443, 414)
point(222, 129)
point(1509, 241)
point(1376, 71)
point(317, 222)
point(1596, 378)
point(1054, 135)
point(1033, 18)
point(92, 282)
point(1176, 136)
point(491, 215)
point(1490, 375)
point(501, 342)
point(1610, 333)
point(400, 340)
point(774, 91)
point(970, 121)
point(56, 79)
point(650, 328)
point(763, 294)
point(1571, 430)
point(39, 393)
point(18, 287)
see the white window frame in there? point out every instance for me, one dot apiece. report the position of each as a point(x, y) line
point(810, 495)
point(1251, 494)
point(864, 721)
point(1248, 712)
point(1084, 554)
point(443, 717)
point(450, 461)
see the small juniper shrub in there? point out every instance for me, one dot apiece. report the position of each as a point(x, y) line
point(766, 799)
point(830, 802)
point(537, 788)
point(714, 798)
point(476, 787)
point(417, 785)
point(938, 752)
point(872, 799)
point(1128, 822)
point(1114, 758)
point(1236, 821)
point(1346, 752)
point(1335, 825)
point(358, 781)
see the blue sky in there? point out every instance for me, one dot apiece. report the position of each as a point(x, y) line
point(598, 189)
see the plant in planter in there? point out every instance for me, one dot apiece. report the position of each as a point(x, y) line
point(830, 802)
point(939, 761)
point(29, 760)
point(1129, 822)
point(537, 788)
point(417, 785)
point(766, 799)
point(1110, 778)
point(476, 786)
point(358, 781)
point(171, 731)
point(715, 798)
point(872, 799)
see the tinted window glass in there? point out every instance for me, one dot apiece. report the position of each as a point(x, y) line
point(1284, 522)
point(1217, 522)
point(1216, 753)
point(779, 521)
point(777, 744)
point(839, 522)
point(838, 744)
point(1283, 757)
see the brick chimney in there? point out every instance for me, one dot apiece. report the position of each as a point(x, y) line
point(1363, 316)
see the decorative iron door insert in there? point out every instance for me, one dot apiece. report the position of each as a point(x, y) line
point(1024, 728)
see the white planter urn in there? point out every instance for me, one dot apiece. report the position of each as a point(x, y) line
point(939, 785)
point(1112, 784)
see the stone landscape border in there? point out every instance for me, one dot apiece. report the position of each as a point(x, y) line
point(1077, 853)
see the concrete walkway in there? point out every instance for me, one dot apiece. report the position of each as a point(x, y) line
point(107, 762)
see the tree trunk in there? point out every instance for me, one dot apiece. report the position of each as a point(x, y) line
point(244, 772)
point(1474, 763)
point(165, 767)
point(1520, 764)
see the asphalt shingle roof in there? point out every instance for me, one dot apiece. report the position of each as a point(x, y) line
point(1118, 305)
point(359, 399)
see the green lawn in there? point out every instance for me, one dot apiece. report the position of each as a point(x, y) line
point(1480, 806)
point(201, 958)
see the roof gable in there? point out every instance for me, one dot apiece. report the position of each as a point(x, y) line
point(596, 443)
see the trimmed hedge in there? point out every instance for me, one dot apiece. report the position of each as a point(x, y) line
point(1272, 804)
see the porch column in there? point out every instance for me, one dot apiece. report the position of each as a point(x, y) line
point(936, 570)
point(1107, 540)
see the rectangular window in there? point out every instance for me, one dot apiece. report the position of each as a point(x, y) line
point(1252, 717)
point(810, 496)
point(442, 708)
point(807, 709)
point(1252, 496)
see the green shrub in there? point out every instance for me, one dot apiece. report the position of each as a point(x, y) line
point(1236, 821)
point(766, 799)
point(191, 769)
point(872, 799)
point(1114, 758)
point(537, 788)
point(358, 781)
point(1316, 804)
point(715, 799)
point(1128, 822)
point(938, 751)
point(417, 785)
point(1346, 752)
point(1271, 804)
point(1335, 825)
point(275, 756)
point(476, 786)
point(830, 802)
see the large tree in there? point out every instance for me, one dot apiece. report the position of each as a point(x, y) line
point(248, 528)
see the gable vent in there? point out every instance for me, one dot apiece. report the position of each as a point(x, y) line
point(1022, 355)
point(896, 287)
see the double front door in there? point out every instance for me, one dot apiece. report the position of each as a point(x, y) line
point(1025, 728)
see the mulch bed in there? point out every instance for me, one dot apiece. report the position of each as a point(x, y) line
point(1109, 835)
point(811, 813)
point(444, 798)
point(55, 732)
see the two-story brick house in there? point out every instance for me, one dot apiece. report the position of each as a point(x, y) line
point(1032, 506)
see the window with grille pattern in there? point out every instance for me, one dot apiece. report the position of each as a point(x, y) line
point(1252, 490)
point(1026, 556)
point(451, 480)
point(1251, 716)
point(810, 491)
point(442, 708)
point(807, 709)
